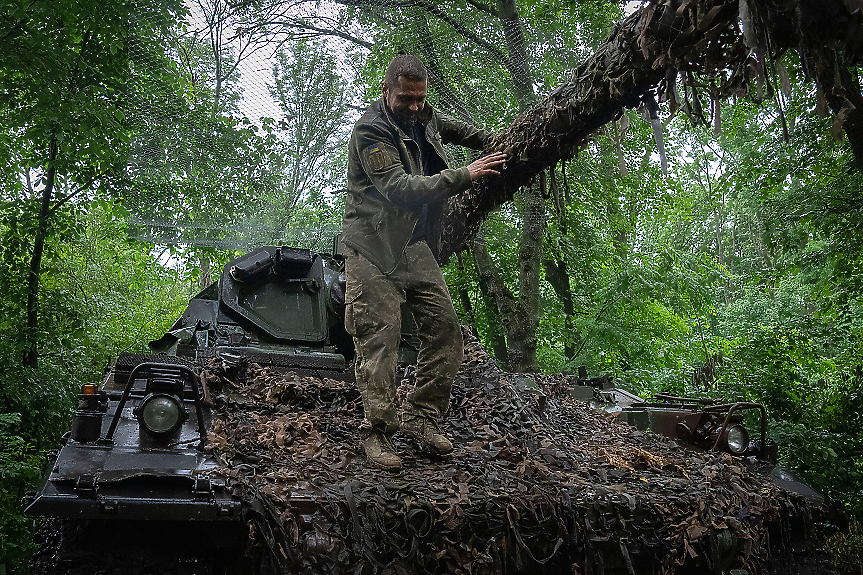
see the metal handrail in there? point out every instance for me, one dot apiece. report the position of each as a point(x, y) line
point(151, 366)
point(731, 409)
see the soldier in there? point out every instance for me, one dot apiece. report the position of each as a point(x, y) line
point(398, 179)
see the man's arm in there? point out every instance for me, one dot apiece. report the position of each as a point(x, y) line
point(456, 132)
point(453, 131)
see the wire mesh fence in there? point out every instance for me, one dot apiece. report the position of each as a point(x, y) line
point(244, 143)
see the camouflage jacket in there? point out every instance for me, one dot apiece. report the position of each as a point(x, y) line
point(386, 185)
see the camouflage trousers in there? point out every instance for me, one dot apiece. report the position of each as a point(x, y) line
point(373, 317)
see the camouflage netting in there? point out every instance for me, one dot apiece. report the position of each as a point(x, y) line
point(536, 481)
point(691, 53)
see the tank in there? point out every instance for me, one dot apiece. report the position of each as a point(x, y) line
point(135, 450)
point(139, 478)
point(738, 428)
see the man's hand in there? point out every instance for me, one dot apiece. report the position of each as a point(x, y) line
point(487, 165)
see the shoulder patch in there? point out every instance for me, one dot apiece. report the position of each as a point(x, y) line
point(377, 157)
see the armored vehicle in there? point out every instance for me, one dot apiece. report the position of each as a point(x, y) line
point(135, 450)
point(137, 470)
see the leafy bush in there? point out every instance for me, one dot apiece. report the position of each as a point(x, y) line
point(773, 364)
point(100, 294)
point(847, 550)
point(843, 409)
point(826, 461)
point(19, 470)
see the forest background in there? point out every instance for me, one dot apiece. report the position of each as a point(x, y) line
point(718, 252)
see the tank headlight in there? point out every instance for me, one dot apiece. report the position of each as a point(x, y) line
point(161, 413)
point(736, 439)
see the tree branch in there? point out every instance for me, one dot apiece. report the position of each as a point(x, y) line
point(71, 195)
point(444, 17)
point(646, 50)
point(484, 7)
point(487, 272)
point(302, 25)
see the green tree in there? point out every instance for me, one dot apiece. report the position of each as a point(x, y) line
point(63, 81)
point(486, 62)
point(19, 468)
point(197, 168)
point(67, 75)
point(105, 294)
point(207, 181)
point(314, 130)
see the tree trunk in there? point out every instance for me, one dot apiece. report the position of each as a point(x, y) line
point(557, 275)
point(490, 285)
point(520, 314)
point(757, 236)
point(463, 280)
point(732, 256)
point(206, 277)
point(31, 351)
point(719, 225)
point(522, 324)
point(766, 258)
point(464, 297)
point(512, 31)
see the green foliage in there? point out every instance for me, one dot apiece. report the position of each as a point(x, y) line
point(60, 58)
point(314, 131)
point(105, 294)
point(198, 175)
point(843, 409)
point(847, 550)
point(19, 469)
point(116, 294)
point(825, 461)
point(769, 365)
point(208, 182)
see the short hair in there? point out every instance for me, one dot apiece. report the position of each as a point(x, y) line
point(406, 65)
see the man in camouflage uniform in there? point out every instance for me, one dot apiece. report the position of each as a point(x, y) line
point(398, 179)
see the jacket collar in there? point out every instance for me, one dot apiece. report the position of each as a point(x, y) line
point(423, 118)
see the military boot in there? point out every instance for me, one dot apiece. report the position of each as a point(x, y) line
point(426, 432)
point(379, 449)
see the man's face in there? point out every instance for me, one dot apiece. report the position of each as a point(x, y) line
point(406, 99)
